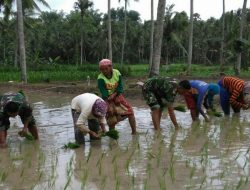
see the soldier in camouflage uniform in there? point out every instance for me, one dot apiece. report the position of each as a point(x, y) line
point(159, 93)
point(11, 105)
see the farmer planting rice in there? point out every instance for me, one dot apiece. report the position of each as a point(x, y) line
point(199, 93)
point(159, 93)
point(111, 88)
point(88, 110)
point(232, 92)
point(11, 105)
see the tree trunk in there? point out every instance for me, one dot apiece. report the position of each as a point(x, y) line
point(155, 69)
point(242, 22)
point(109, 31)
point(125, 31)
point(222, 38)
point(81, 40)
point(190, 40)
point(21, 41)
point(151, 35)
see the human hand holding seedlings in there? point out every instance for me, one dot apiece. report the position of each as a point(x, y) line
point(206, 119)
point(172, 116)
point(94, 134)
point(245, 106)
point(85, 130)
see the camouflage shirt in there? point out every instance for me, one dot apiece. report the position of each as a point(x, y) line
point(25, 110)
point(159, 92)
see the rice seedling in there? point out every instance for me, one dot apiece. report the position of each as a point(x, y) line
point(71, 145)
point(172, 171)
point(193, 169)
point(222, 174)
point(89, 155)
point(127, 148)
point(128, 160)
point(226, 186)
point(187, 163)
point(69, 172)
point(204, 153)
point(203, 181)
point(100, 169)
point(148, 169)
point(117, 183)
point(114, 134)
point(22, 172)
point(238, 155)
point(138, 146)
point(99, 163)
point(127, 165)
point(114, 158)
point(214, 113)
point(27, 135)
point(162, 182)
point(40, 175)
point(84, 178)
point(100, 159)
point(133, 180)
point(103, 182)
point(3, 176)
point(145, 184)
point(115, 169)
point(146, 133)
point(180, 108)
point(41, 159)
point(247, 151)
point(240, 183)
point(159, 156)
point(150, 155)
point(245, 164)
point(246, 180)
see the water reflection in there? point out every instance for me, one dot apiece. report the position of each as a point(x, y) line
point(201, 155)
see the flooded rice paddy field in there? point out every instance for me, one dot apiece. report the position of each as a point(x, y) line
point(200, 155)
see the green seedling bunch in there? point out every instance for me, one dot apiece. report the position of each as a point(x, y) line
point(214, 113)
point(114, 134)
point(71, 145)
point(180, 108)
point(27, 135)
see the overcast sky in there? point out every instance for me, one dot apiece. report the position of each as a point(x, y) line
point(206, 8)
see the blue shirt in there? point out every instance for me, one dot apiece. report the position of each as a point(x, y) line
point(201, 87)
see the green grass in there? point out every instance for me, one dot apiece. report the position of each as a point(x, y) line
point(55, 72)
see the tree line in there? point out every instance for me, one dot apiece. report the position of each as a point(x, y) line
point(82, 36)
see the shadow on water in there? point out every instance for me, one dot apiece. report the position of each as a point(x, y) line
point(201, 155)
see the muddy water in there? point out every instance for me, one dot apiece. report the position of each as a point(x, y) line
point(201, 155)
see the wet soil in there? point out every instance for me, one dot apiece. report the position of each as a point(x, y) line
point(200, 155)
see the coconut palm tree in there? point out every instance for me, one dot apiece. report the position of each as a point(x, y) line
point(155, 69)
point(21, 41)
point(151, 35)
point(109, 31)
point(21, 5)
point(190, 40)
point(242, 23)
point(125, 28)
point(82, 5)
point(222, 37)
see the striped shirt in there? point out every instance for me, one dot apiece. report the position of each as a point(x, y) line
point(235, 86)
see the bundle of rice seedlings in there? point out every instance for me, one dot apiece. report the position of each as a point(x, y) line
point(27, 135)
point(114, 134)
point(180, 108)
point(215, 113)
point(71, 145)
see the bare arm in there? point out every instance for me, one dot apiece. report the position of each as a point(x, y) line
point(172, 116)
